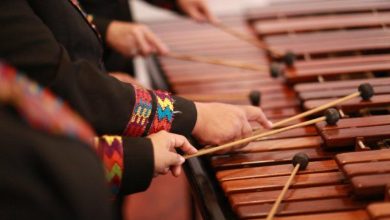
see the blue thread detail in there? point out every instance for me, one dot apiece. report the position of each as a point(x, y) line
point(166, 113)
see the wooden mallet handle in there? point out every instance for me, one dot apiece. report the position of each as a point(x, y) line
point(247, 38)
point(331, 117)
point(254, 137)
point(300, 162)
point(215, 61)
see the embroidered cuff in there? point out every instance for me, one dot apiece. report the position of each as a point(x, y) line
point(140, 116)
point(152, 112)
point(110, 150)
point(163, 117)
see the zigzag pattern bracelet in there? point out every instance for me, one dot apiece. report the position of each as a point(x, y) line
point(110, 150)
point(141, 122)
point(164, 112)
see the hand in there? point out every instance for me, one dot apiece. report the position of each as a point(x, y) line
point(220, 123)
point(165, 156)
point(198, 10)
point(132, 39)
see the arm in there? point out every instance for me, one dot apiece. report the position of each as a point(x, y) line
point(132, 172)
point(113, 20)
point(105, 102)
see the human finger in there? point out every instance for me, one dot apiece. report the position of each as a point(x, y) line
point(257, 114)
point(156, 42)
point(142, 43)
point(182, 143)
point(176, 170)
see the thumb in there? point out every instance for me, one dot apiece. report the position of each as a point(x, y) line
point(257, 114)
point(182, 143)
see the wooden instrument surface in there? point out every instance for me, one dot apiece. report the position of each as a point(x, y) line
point(345, 43)
point(369, 173)
point(345, 133)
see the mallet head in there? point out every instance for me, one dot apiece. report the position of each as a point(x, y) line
point(366, 91)
point(302, 159)
point(255, 97)
point(275, 70)
point(332, 116)
point(289, 58)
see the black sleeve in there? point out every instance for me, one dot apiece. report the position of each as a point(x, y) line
point(102, 24)
point(28, 44)
point(171, 5)
point(46, 176)
point(138, 165)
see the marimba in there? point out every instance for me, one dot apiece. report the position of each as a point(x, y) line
point(338, 45)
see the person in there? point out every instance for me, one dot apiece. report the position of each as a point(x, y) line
point(125, 38)
point(51, 160)
point(64, 54)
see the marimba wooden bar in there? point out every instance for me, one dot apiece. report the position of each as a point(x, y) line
point(339, 44)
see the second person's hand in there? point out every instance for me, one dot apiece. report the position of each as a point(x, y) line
point(131, 39)
point(219, 123)
point(164, 148)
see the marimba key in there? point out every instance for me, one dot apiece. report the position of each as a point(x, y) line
point(370, 185)
point(328, 70)
point(298, 194)
point(301, 207)
point(326, 22)
point(330, 36)
point(278, 114)
point(353, 105)
point(348, 137)
point(312, 95)
point(323, 7)
point(356, 122)
point(359, 169)
point(294, 133)
point(340, 85)
point(363, 157)
point(379, 211)
point(282, 144)
point(277, 182)
point(359, 214)
point(276, 170)
point(369, 172)
point(266, 158)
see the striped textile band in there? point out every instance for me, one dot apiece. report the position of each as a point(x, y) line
point(140, 116)
point(164, 112)
point(41, 108)
point(110, 151)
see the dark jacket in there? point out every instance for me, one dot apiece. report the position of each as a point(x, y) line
point(52, 42)
point(104, 12)
point(46, 176)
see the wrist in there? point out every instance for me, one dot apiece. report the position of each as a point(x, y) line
point(199, 119)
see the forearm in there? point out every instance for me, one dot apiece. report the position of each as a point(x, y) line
point(106, 103)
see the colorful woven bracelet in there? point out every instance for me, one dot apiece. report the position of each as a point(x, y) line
point(140, 116)
point(110, 150)
point(163, 117)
